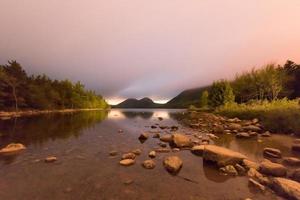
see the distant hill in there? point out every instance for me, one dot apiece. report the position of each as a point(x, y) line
point(135, 103)
point(186, 98)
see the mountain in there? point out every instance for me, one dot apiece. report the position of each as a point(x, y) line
point(135, 103)
point(186, 98)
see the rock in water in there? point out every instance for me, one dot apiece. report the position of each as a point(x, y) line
point(286, 187)
point(243, 135)
point(12, 148)
point(198, 150)
point(166, 138)
point(128, 156)
point(229, 169)
point(144, 136)
point(127, 162)
point(50, 159)
point(250, 164)
point(137, 152)
point(252, 128)
point(113, 153)
point(172, 164)
point(274, 169)
point(181, 140)
point(291, 161)
point(149, 164)
point(222, 156)
point(273, 153)
point(257, 185)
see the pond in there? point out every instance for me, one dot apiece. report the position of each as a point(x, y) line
point(85, 170)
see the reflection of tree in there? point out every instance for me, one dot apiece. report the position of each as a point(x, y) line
point(134, 114)
point(39, 129)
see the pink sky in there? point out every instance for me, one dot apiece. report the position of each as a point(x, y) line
point(137, 48)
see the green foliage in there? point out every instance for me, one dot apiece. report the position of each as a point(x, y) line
point(204, 99)
point(220, 93)
point(40, 92)
point(281, 115)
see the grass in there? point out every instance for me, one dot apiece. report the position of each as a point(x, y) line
point(279, 116)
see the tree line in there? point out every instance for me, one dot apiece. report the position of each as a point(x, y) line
point(269, 82)
point(20, 91)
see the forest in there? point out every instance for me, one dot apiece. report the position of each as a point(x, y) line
point(20, 91)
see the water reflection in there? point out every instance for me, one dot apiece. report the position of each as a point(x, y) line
point(39, 129)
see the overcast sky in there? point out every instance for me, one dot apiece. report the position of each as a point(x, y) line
point(153, 48)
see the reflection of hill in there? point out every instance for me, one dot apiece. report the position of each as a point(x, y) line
point(39, 129)
point(134, 114)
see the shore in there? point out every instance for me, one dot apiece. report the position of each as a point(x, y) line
point(7, 115)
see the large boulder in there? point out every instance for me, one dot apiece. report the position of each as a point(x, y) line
point(181, 140)
point(271, 152)
point(222, 156)
point(274, 169)
point(172, 164)
point(12, 148)
point(287, 188)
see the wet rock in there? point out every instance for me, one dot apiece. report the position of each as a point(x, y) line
point(222, 156)
point(149, 164)
point(113, 153)
point(162, 150)
point(252, 134)
point(152, 154)
point(253, 173)
point(181, 140)
point(128, 156)
point(296, 175)
point(127, 162)
point(266, 134)
point(241, 170)
point(230, 170)
point(252, 128)
point(291, 161)
point(50, 159)
point(198, 150)
point(243, 135)
point(156, 135)
point(274, 169)
point(287, 188)
point(173, 164)
point(250, 164)
point(12, 148)
point(166, 138)
point(218, 129)
point(143, 136)
point(234, 126)
point(256, 184)
point(137, 152)
point(272, 152)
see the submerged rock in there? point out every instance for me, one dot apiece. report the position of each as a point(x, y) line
point(127, 162)
point(166, 138)
point(149, 164)
point(172, 164)
point(272, 152)
point(50, 159)
point(143, 136)
point(181, 140)
point(12, 148)
point(113, 153)
point(137, 152)
point(286, 187)
point(222, 156)
point(257, 184)
point(274, 169)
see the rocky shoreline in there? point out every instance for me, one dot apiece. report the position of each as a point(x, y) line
point(275, 173)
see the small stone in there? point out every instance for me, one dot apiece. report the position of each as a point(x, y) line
point(172, 164)
point(12, 148)
point(175, 150)
point(241, 170)
point(162, 150)
point(291, 161)
point(162, 144)
point(153, 127)
point(266, 134)
point(137, 152)
point(127, 162)
point(149, 164)
point(143, 136)
point(272, 152)
point(128, 181)
point(128, 156)
point(243, 135)
point(50, 159)
point(229, 169)
point(152, 154)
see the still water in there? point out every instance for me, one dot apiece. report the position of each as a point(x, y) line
point(84, 170)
